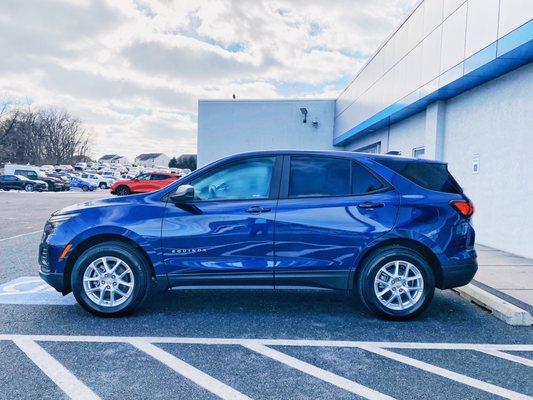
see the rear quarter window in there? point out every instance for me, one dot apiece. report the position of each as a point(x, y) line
point(429, 175)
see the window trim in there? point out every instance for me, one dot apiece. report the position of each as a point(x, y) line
point(369, 146)
point(274, 180)
point(285, 180)
point(417, 149)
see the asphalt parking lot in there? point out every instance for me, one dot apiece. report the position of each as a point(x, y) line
point(240, 344)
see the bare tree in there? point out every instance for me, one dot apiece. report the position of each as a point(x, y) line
point(47, 136)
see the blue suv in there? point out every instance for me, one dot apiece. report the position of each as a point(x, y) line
point(386, 229)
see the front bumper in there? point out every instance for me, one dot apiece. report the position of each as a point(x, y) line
point(56, 280)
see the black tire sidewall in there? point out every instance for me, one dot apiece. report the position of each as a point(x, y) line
point(85, 188)
point(371, 267)
point(129, 255)
point(123, 190)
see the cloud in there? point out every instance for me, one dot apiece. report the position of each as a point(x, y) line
point(133, 70)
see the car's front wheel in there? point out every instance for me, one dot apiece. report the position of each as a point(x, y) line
point(28, 187)
point(102, 185)
point(85, 188)
point(111, 279)
point(396, 283)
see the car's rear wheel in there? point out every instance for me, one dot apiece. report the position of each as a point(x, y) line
point(111, 279)
point(396, 283)
point(102, 185)
point(123, 190)
point(85, 188)
point(28, 187)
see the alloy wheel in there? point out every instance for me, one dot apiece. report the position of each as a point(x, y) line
point(108, 281)
point(398, 285)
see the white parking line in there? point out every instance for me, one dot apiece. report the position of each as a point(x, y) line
point(317, 372)
point(22, 234)
point(61, 376)
point(188, 371)
point(508, 357)
point(77, 390)
point(273, 342)
point(486, 387)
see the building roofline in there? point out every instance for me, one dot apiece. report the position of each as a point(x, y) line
point(260, 100)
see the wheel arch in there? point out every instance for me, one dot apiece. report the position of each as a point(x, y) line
point(97, 239)
point(421, 248)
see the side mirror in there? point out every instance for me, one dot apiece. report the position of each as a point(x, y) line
point(183, 194)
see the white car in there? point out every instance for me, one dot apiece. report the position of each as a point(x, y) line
point(47, 168)
point(102, 182)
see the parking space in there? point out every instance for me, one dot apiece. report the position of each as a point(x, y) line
point(239, 344)
point(107, 366)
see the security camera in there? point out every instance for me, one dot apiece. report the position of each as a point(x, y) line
point(315, 123)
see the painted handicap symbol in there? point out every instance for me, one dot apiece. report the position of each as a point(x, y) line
point(32, 290)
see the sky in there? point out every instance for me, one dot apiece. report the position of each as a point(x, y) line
point(133, 70)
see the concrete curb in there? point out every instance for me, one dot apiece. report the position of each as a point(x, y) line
point(501, 309)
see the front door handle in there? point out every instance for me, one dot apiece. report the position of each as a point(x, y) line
point(368, 205)
point(257, 210)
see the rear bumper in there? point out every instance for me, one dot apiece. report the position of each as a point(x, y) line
point(458, 275)
point(54, 279)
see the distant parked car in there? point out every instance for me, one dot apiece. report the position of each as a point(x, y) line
point(64, 168)
point(81, 183)
point(18, 182)
point(46, 168)
point(143, 183)
point(110, 174)
point(80, 166)
point(63, 177)
point(34, 173)
point(98, 180)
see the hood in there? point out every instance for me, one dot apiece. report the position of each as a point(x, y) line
point(108, 202)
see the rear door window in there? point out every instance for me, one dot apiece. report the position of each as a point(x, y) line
point(429, 175)
point(319, 176)
point(364, 181)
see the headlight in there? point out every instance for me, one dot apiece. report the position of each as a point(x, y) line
point(55, 221)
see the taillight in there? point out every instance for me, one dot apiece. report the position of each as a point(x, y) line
point(464, 207)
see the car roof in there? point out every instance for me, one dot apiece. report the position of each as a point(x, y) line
point(333, 153)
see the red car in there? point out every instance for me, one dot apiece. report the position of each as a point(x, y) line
point(147, 182)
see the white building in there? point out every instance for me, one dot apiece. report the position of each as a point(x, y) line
point(150, 160)
point(454, 82)
point(113, 159)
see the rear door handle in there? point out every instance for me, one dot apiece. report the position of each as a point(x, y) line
point(370, 205)
point(257, 210)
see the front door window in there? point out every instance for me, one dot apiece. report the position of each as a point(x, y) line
point(244, 180)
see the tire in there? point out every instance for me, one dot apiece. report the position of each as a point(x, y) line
point(139, 270)
point(102, 185)
point(123, 190)
point(408, 260)
point(85, 188)
point(28, 187)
